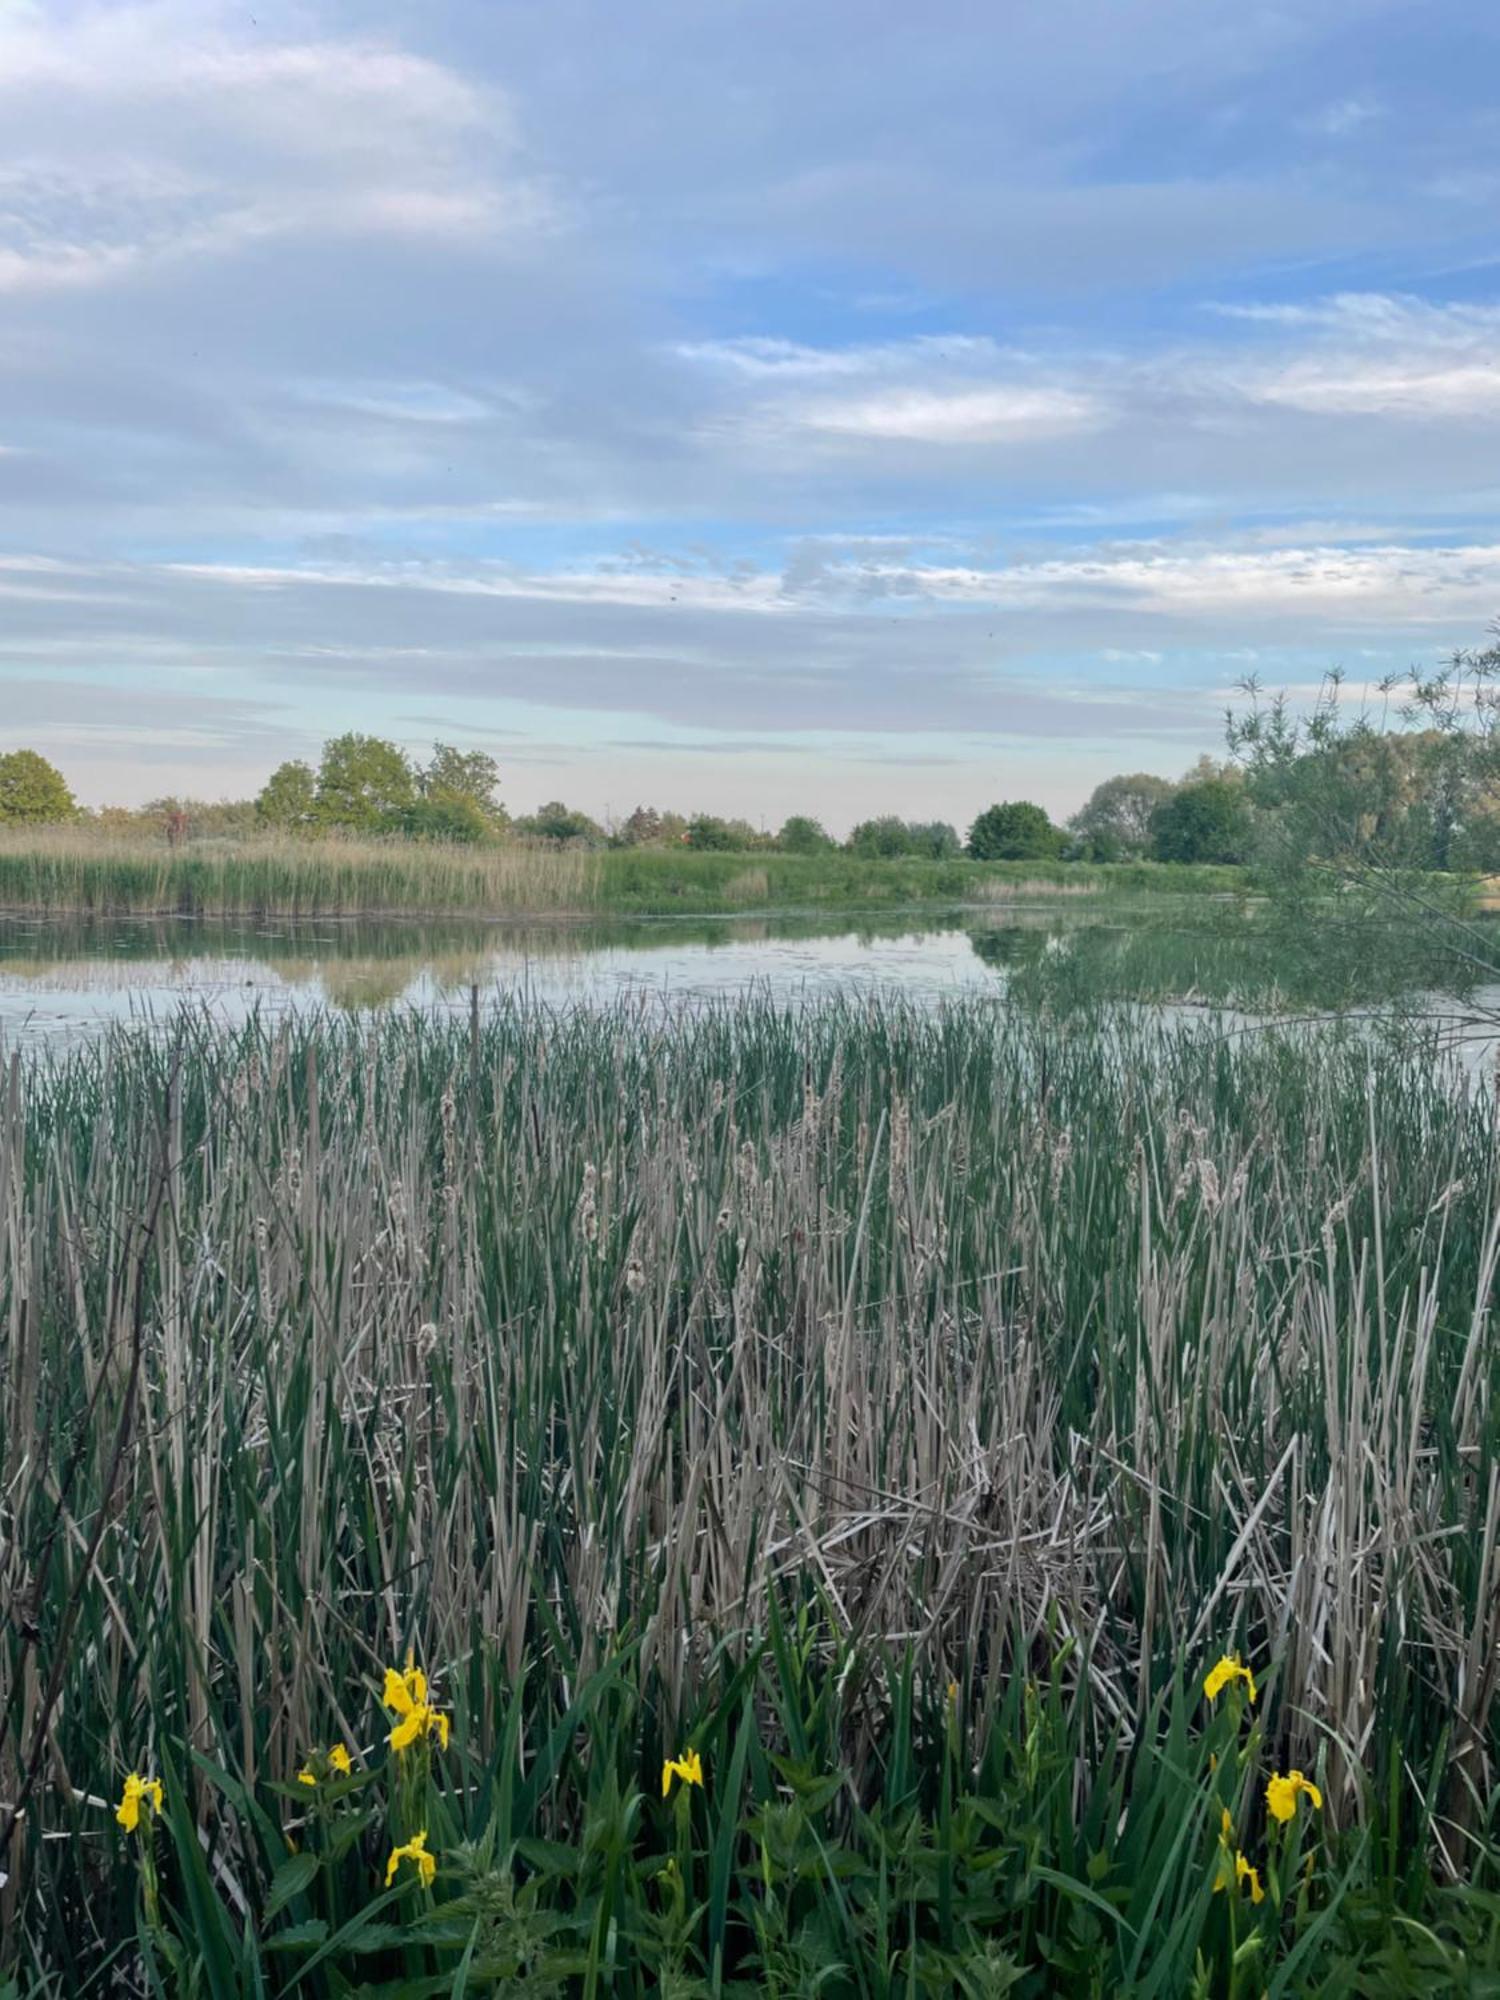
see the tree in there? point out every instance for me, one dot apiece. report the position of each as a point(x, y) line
point(1014, 831)
point(932, 839)
point(1202, 822)
point(286, 799)
point(364, 783)
point(642, 829)
point(709, 834)
point(32, 791)
point(890, 839)
point(883, 839)
point(1115, 822)
point(562, 826)
point(471, 775)
point(803, 835)
point(446, 816)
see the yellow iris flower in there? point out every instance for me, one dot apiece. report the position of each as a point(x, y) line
point(688, 1767)
point(1281, 1794)
point(137, 1791)
point(405, 1695)
point(1229, 1669)
point(414, 1850)
point(1241, 1872)
point(339, 1765)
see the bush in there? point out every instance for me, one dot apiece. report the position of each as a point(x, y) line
point(32, 791)
point(1017, 831)
point(803, 835)
point(1203, 822)
point(445, 818)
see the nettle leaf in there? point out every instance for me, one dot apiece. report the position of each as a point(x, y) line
point(314, 1931)
point(292, 1878)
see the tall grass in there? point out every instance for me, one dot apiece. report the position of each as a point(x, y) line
point(745, 1379)
point(72, 872)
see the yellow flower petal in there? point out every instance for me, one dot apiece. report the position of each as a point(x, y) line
point(338, 1760)
point(409, 1729)
point(395, 1695)
point(137, 1788)
point(1228, 1669)
point(414, 1850)
point(306, 1776)
point(1282, 1794)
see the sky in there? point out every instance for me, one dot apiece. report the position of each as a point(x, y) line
point(749, 408)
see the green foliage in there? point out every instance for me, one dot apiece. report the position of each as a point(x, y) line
point(646, 827)
point(882, 839)
point(708, 834)
point(364, 784)
point(1115, 822)
point(934, 840)
point(561, 826)
point(900, 839)
point(898, 1408)
point(287, 799)
point(449, 816)
point(32, 791)
point(469, 777)
point(1017, 831)
point(803, 835)
point(118, 872)
point(1208, 821)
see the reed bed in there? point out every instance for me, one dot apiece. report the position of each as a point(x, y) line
point(901, 1407)
point(74, 872)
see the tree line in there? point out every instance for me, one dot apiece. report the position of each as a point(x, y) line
point(1370, 786)
point(367, 785)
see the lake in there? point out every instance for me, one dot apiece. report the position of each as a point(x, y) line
point(64, 979)
point(60, 979)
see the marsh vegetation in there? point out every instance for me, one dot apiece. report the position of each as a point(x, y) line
point(898, 1410)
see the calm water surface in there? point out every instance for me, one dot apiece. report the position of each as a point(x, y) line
point(61, 980)
point(64, 980)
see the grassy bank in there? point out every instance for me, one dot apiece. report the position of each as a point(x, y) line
point(894, 1412)
point(74, 874)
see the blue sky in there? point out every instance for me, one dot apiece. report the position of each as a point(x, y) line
point(748, 407)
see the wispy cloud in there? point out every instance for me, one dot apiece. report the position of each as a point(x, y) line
point(674, 381)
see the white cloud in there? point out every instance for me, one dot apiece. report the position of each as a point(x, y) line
point(980, 415)
point(208, 131)
point(1394, 586)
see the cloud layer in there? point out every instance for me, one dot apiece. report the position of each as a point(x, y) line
point(758, 405)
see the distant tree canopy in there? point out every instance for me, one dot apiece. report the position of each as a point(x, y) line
point(449, 816)
point(364, 783)
point(469, 777)
point(1207, 821)
point(32, 791)
point(709, 834)
point(561, 825)
point(892, 839)
point(1014, 831)
point(286, 799)
point(803, 835)
point(1115, 822)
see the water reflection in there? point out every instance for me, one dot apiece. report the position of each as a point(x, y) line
point(63, 978)
point(68, 976)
